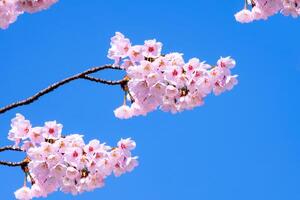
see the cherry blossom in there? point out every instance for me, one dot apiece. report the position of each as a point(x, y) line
point(244, 16)
point(8, 12)
point(123, 112)
point(166, 81)
point(262, 9)
point(33, 6)
point(66, 163)
point(23, 193)
point(11, 9)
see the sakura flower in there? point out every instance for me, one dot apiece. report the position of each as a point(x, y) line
point(191, 66)
point(257, 13)
point(171, 91)
point(262, 9)
point(36, 191)
point(67, 163)
point(27, 145)
point(226, 62)
point(23, 193)
point(72, 173)
point(152, 48)
point(167, 81)
point(35, 135)
point(32, 6)
point(92, 147)
point(20, 128)
point(8, 12)
point(135, 53)
point(231, 81)
point(127, 144)
point(58, 170)
point(115, 155)
point(52, 130)
point(291, 7)
point(11, 9)
point(123, 112)
point(119, 47)
point(54, 159)
point(131, 163)
point(244, 16)
point(73, 155)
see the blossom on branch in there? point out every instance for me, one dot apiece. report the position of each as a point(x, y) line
point(166, 81)
point(262, 9)
point(11, 9)
point(66, 163)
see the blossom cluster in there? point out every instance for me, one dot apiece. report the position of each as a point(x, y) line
point(66, 162)
point(262, 9)
point(166, 81)
point(11, 9)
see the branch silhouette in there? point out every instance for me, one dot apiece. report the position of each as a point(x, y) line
point(12, 164)
point(10, 148)
point(82, 75)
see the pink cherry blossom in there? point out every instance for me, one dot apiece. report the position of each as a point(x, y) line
point(152, 48)
point(52, 130)
point(8, 12)
point(11, 9)
point(226, 62)
point(32, 6)
point(119, 47)
point(167, 81)
point(136, 53)
point(123, 112)
point(92, 147)
point(36, 135)
point(20, 129)
point(24, 193)
point(127, 144)
point(262, 9)
point(244, 16)
point(66, 162)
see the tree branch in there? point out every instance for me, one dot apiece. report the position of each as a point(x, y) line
point(13, 164)
point(107, 82)
point(60, 83)
point(10, 148)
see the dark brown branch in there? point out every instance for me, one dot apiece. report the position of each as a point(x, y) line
point(55, 86)
point(108, 82)
point(13, 164)
point(10, 148)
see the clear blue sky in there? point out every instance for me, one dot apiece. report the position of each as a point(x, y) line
point(242, 145)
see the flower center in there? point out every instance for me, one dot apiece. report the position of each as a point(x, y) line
point(123, 146)
point(151, 49)
point(175, 73)
point(75, 154)
point(51, 130)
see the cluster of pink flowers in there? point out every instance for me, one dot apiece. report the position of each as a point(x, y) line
point(166, 81)
point(11, 9)
point(66, 162)
point(262, 9)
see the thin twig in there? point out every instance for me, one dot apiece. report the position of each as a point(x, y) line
point(10, 148)
point(55, 86)
point(12, 164)
point(108, 82)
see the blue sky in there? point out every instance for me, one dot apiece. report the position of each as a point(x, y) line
point(243, 144)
